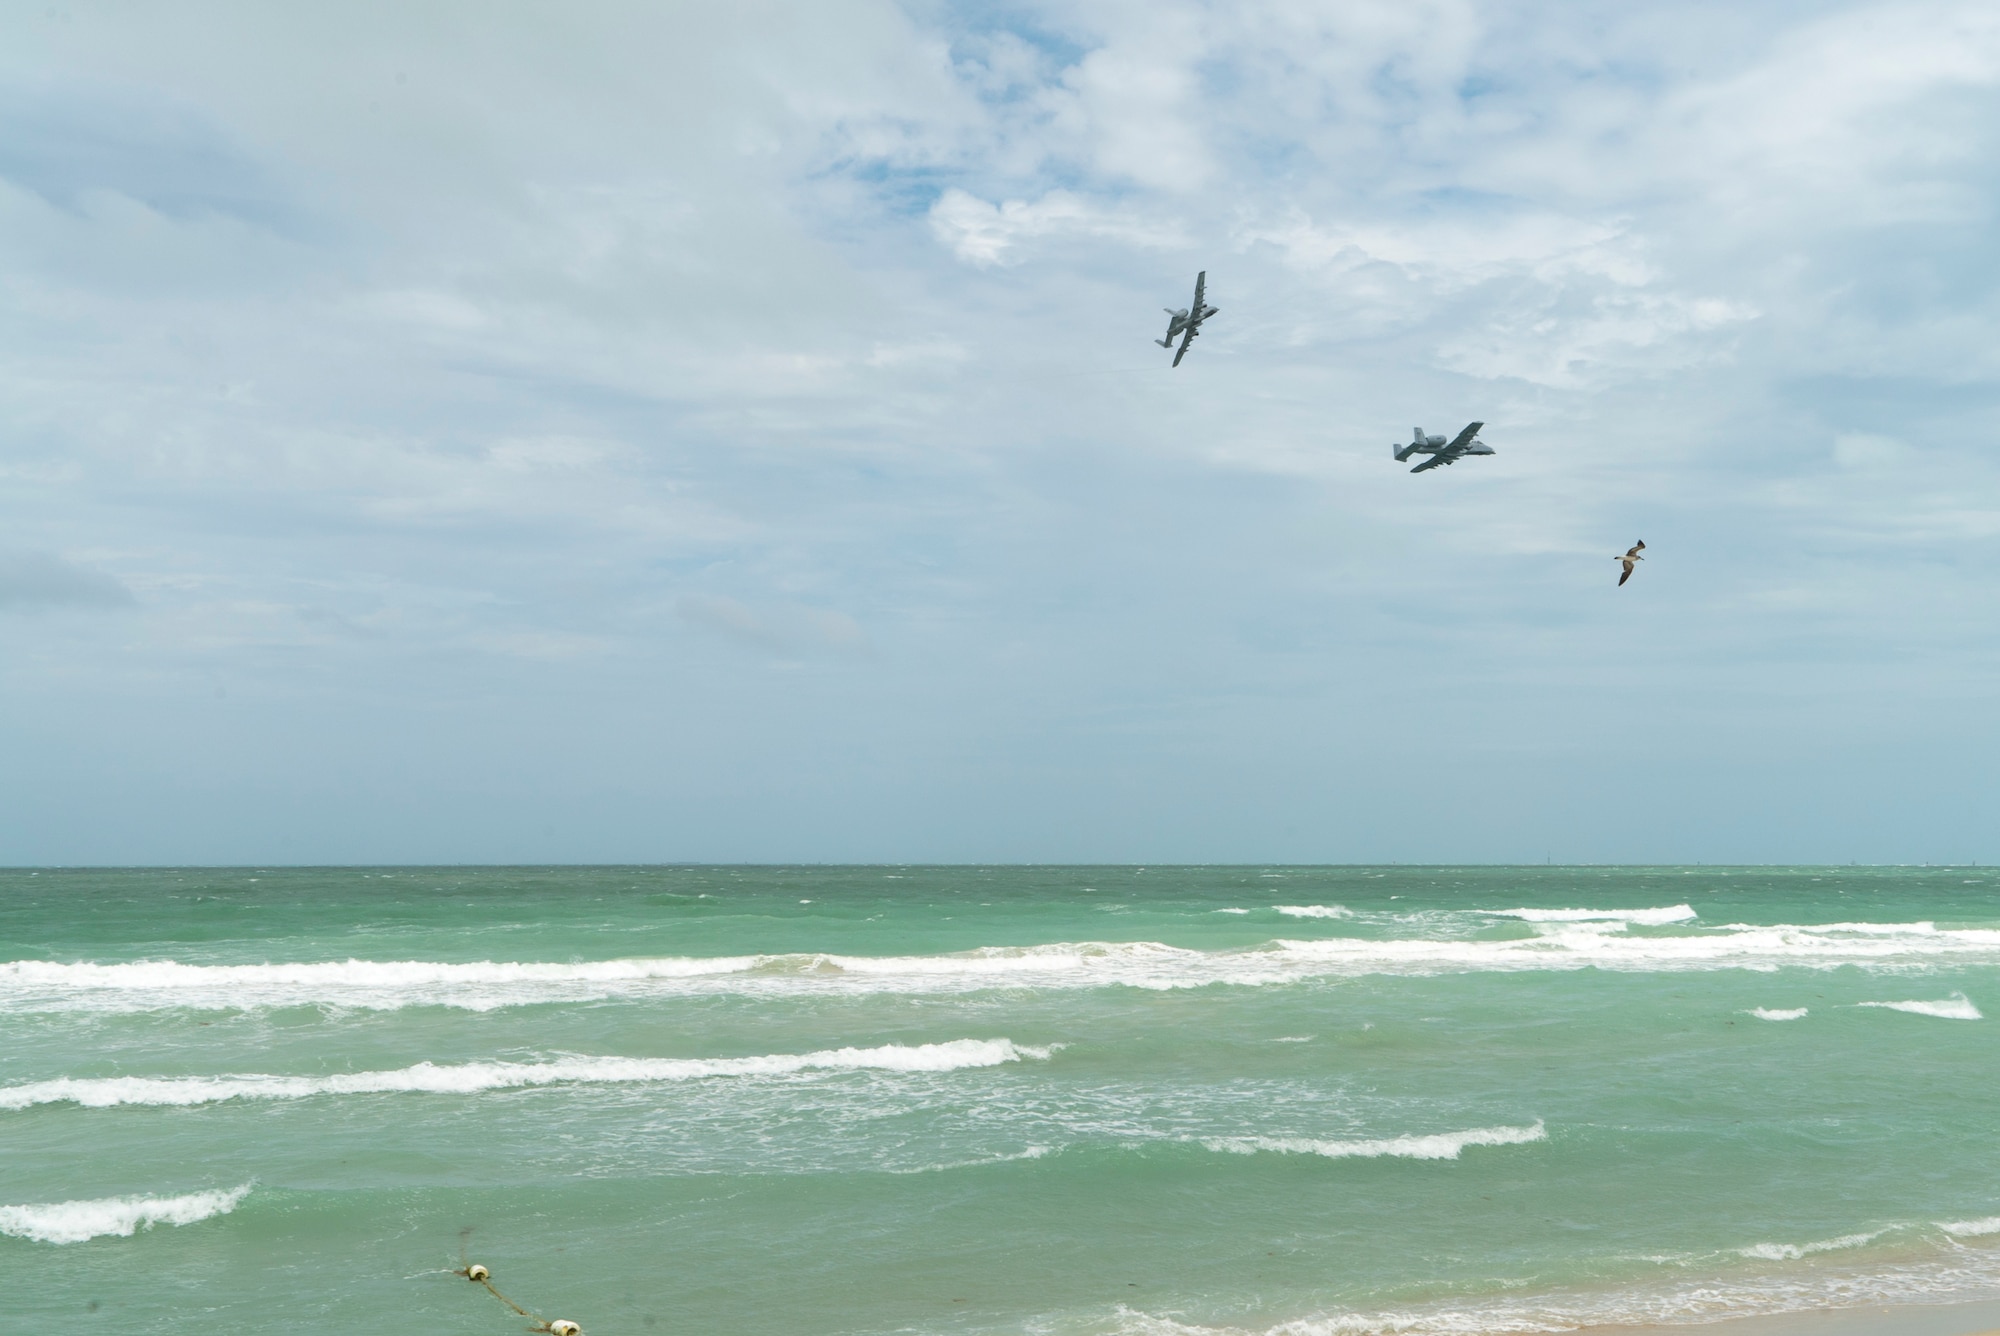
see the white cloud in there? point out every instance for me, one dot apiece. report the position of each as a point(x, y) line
point(591, 354)
point(984, 234)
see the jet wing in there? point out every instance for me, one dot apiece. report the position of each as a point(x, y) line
point(1441, 457)
point(1200, 284)
point(1186, 339)
point(1465, 437)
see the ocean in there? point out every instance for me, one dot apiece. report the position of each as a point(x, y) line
point(1058, 1101)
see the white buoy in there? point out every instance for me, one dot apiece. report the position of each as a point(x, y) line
point(562, 1326)
point(477, 1273)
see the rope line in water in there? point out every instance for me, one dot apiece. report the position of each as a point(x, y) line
point(481, 1276)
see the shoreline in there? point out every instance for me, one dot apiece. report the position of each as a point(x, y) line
point(1979, 1317)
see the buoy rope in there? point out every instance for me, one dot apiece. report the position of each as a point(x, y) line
point(481, 1276)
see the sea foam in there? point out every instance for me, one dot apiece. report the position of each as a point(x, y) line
point(474, 1077)
point(1778, 1013)
point(1971, 1229)
point(1602, 941)
point(78, 1221)
point(1435, 1146)
point(1792, 1252)
point(1644, 917)
point(1954, 1008)
point(1315, 911)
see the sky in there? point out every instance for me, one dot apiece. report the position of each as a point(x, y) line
point(691, 432)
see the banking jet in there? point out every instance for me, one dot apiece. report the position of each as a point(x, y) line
point(1465, 443)
point(1186, 324)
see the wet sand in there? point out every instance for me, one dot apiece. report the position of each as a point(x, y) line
point(1980, 1318)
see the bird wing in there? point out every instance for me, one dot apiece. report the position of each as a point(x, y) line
point(1626, 574)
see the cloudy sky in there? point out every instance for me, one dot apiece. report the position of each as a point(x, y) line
point(663, 431)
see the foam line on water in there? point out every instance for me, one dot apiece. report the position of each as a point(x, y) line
point(474, 1077)
point(1957, 1007)
point(1315, 911)
point(80, 1221)
point(1778, 1013)
point(1435, 1146)
point(1820, 1279)
point(1605, 943)
point(1644, 917)
point(1791, 1252)
point(1971, 1229)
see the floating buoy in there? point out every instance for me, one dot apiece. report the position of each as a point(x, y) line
point(562, 1326)
point(477, 1273)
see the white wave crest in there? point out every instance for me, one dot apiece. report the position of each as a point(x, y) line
point(1436, 1146)
point(33, 986)
point(1954, 1008)
point(1315, 911)
point(1778, 1013)
point(473, 1077)
point(1971, 1229)
point(1792, 1252)
point(1644, 917)
point(78, 1221)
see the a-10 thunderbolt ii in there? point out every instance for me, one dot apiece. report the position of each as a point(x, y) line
point(1184, 325)
point(1440, 451)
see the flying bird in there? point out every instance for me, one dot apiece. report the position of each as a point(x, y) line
point(1630, 558)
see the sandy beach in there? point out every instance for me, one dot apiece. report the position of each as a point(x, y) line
point(1981, 1318)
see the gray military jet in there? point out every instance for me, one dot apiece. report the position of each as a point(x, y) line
point(1465, 443)
point(1186, 324)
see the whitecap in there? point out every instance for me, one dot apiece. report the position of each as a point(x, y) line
point(1954, 1008)
point(46, 986)
point(79, 1221)
point(1792, 1252)
point(1315, 911)
point(1643, 917)
point(1014, 1157)
point(1968, 1229)
point(474, 1077)
point(1777, 1013)
point(1435, 1146)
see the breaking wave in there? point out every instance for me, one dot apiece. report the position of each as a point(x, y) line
point(1971, 1229)
point(1436, 1146)
point(1315, 911)
point(80, 1221)
point(1954, 1008)
point(1647, 917)
point(1778, 1013)
point(1791, 1252)
point(1603, 941)
point(473, 1077)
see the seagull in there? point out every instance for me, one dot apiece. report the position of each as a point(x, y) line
point(1631, 556)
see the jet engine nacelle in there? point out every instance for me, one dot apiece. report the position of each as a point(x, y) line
point(1434, 440)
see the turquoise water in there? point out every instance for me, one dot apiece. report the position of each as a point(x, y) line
point(1067, 1101)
